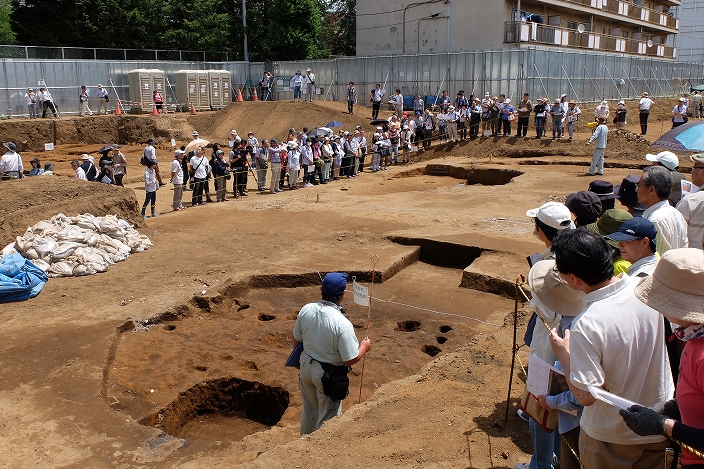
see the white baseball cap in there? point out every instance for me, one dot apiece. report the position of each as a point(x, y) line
point(553, 214)
point(665, 158)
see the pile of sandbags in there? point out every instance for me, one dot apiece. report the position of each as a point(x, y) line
point(81, 245)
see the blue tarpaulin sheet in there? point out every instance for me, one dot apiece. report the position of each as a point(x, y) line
point(20, 279)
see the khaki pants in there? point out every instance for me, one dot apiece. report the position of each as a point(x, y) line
point(178, 195)
point(598, 454)
point(317, 407)
point(275, 176)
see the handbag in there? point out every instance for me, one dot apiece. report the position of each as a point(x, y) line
point(511, 117)
point(547, 419)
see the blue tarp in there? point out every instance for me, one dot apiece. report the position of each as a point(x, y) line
point(20, 279)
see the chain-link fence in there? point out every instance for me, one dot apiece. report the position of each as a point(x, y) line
point(82, 53)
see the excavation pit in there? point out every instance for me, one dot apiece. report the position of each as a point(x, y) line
point(408, 326)
point(474, 174)
point(441, 253)
point(237, 407)
point(441, 340)
point(445, 329)
point(431, 350)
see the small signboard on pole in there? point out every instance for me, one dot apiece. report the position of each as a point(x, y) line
point(361, 293)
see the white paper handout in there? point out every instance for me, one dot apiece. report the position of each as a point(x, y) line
point(688, 188)
point(611, 399)
point(544, 379)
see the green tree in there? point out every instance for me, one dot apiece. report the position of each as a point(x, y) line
point(339, 35)
point(203, 25)
point(294, 29)
point(7, 36)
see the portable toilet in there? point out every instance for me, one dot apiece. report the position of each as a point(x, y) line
point(226, 89)
point(142, 83)
point(158, 83)
point(219, 81)
point(203, 93)
point(186, 83)
point(192, 88)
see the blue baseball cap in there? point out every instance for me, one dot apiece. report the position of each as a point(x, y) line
point(635, 228)
point(334, 284)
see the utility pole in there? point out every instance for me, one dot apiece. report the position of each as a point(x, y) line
point(246, 50)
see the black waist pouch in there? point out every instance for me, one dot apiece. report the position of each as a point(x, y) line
point(336, 384)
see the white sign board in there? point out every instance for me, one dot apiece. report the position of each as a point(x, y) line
point(48, 146)
point(361, 293)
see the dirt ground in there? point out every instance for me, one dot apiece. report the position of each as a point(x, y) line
point(174, 358)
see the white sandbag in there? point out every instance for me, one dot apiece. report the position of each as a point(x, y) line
point(43, 226)
point(22, 244)
point(86, 221)
point(63, 250)
point(80, 270)
point(119, 257)
point(122, 247)
point(125, 225)
point(41, 264)
point(109, 224)
point(8, 250)
point(31, 254)
point(60, 220)
point(74, 234)
point(92, 239)
point(61, 269)
point(133, 240)
point(44, 246)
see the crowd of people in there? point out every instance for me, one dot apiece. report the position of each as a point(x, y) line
point(597, 289)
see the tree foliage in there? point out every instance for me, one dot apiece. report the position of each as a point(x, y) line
point(294, 28)
point(7, 36)
point(276, 29)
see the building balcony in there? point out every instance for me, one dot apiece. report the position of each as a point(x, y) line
point(535, 33)
point(621, 10)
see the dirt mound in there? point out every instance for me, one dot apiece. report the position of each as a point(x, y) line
point(274, 118)
point(27, 201)
point(31, 135)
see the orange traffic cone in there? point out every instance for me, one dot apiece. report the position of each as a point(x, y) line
point(239, 95)
point(254, 96)
point(193, 109)
point(154, 111)
point(118, 111)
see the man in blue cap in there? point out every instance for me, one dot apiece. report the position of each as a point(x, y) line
point(330, 347)
point(636, 241)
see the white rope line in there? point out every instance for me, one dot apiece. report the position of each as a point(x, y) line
point(433, 311)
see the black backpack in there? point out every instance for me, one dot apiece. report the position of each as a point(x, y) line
point(143, 161)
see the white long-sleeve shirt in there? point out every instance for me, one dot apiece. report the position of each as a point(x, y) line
point(150, 184)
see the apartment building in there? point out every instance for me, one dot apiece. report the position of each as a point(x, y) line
point(640, 27)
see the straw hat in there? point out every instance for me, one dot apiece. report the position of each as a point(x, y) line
point(546, 284)
point(676, 287)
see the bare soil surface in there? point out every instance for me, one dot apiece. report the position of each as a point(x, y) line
point(174, 358)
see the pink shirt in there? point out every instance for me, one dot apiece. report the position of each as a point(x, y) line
point(690, 391)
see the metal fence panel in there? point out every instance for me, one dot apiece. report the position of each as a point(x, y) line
point(541, 71)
